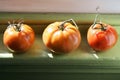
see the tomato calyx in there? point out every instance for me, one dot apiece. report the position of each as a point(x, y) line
point(102, 26)
point(16, 26)
point(61, 27)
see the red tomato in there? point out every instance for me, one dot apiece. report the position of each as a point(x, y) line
point(101, 36)
point(61, 37)
point(18, 37)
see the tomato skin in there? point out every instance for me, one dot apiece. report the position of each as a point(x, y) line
point(61, 41)
point(101, 40)
point(18, 41)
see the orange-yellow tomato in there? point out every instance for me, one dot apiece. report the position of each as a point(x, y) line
point(101, 36)
point(18, 38)
point(61, 37)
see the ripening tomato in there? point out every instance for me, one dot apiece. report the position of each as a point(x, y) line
point(102, 36)
point(18, 37)
point(61, 37)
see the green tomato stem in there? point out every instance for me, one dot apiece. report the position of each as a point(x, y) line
point(103, 28)
point(61, 27)
point(16, 26)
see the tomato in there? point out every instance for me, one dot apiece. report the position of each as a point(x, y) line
point(102, 36)
point(18, 37)
point(61, 37)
